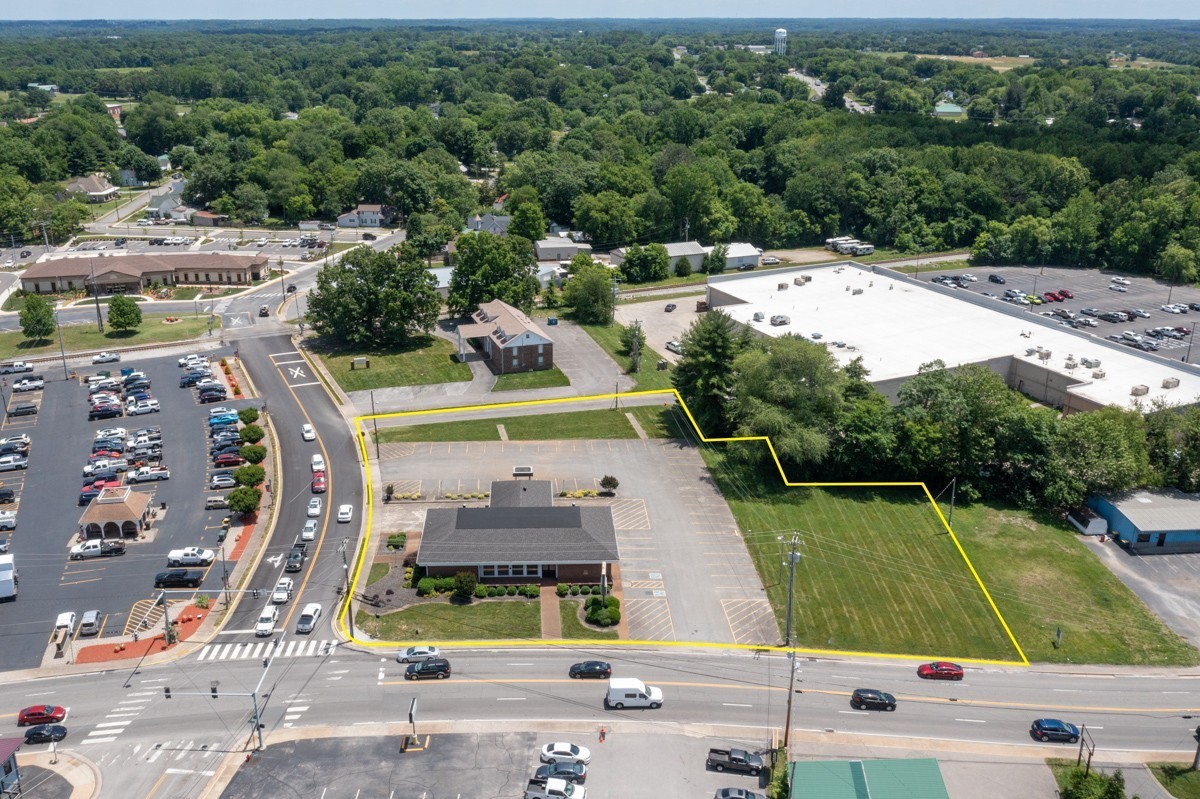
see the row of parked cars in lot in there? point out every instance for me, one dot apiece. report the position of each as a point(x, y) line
point(118, 456)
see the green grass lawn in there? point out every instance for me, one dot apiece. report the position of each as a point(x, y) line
point(663, 421)
point(609, 338)
point(429, 360)
point(378, 572)
point(83, 337)
point(934, 266)
point(608, 424)
point(1178, 779)
point(634, 299)
point(572, 627)
point(879, 573)
point(543, 378)
point(436, 621)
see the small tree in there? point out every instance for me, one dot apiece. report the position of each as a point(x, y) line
point(609, 483)
point(464, 584)
point(248, 415)
point(715, 259)
point(37, 318)
point(124, 314)
point(244, 499)
point(250, 475)
point(252, 433)
point(253, 453)
point(683, 267)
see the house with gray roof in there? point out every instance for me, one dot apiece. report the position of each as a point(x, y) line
point(95, 187)
point(496, 224)
point(1152, 522)
point(521, 536)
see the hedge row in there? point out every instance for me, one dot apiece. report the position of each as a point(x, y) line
point(575, 590)
point(446, 585)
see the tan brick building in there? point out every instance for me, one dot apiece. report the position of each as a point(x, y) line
point(129, 274)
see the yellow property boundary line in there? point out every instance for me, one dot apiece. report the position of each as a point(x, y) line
point(365, 548)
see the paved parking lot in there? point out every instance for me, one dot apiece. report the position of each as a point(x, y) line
point(1091, 290)
point(48, 509)
point(686, 574)
point(659, 324)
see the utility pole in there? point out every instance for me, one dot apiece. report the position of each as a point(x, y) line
point(346, 573)
point(61, 349)
point(616, 289)
point(953, 488)
point(375, 423)
point(793, 558)
point(96, 297)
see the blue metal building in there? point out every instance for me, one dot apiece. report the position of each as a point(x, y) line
point(1152, 522)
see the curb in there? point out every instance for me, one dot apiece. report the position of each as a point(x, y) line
point(69, 764)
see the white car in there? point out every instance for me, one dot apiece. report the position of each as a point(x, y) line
point(308, 618)
point(770, 260)
point(221, 411)
point(112, 432)
point(106, 357)
point(314, 507)
point(208, 382)
point(266, 621)
point(18, 439)
point(1170, 309)
point(149, 406)
point(318, 463)
point(143, 223)
point(1120, 280)
point(283, 591)
point(968, 277)
point(345, 513)
point(1139, 312)
point(1118, 287)
point(675, 347)
point(416, 654)
point(309, 533)
point(307, 433)
point(566, 753)
point(261, 243)
point(192, 358)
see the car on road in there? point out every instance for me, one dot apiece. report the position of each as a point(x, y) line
point(314, 507)
point(559, 752)
point(369, 237)
point(307, 433)
point(940, 670)
point(318, 463)
point(871, 699)
point(107, 357)
point(266, 621)
point(282, 591)
point(736, 793)
point(670, 307)
point(41, 714)
point(264, 310)
point(434, 668)
point(417, 654)
point(345, 513)
point(1054, 730)
point(45, 733)
point(308, 618)
point(575, 773)
point(318, 483)
point(597, 669)
point(309, 533)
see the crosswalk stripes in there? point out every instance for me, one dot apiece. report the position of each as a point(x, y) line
point(255, 649)
point(117, 719)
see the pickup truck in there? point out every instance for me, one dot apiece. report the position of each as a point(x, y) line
point(554, 788)
point(146, 473)
point(296, 558)
point(15, 367)
point(738, 760)
point(191, 556)
point(29, 384)
point(97, 548)
point(179, 578)
point(104, 465)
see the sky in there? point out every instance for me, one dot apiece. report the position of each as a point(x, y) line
point(578, 9)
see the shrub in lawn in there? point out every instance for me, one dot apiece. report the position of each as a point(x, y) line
point(445, 584)
point(512, 590)
point(254, 453)
point(585, 589)
point(247, 415)
point(252, 433)
point(426, 586)
point(464, 583)
point(561, 589)
point(574, 590)
point(491, 590)
point(481, 591)
point(530, 591)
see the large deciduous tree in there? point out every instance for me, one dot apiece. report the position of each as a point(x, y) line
point(37, 318)
point(372, 299)
point(124, 313)
point(528, 221)
point(589, 292)
point(491, 267)
point(644, 264)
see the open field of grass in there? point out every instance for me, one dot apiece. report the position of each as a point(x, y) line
point(1178, 779)
point(543, 378)
point(609, 338)
point(601, 424)
point(482, 619)
point(428, 360)
point(83, 337)
point(573, 628)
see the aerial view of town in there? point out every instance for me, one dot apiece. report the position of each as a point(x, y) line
point(540, 401)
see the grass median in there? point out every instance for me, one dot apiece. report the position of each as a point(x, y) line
point(84, 337)
point(569, 611)
point(428, 360)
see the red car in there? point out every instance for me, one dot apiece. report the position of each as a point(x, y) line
point(1064, 293)
point(940, 670)
point(229, 459)
point(318, 485)
point(100, 485)
point(41, 714)
point(1052, 297)
point(1183, 330)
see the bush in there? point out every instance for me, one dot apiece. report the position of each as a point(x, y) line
point(574, 590)
point(530, 591)
point(249, 475)
point(512, 590)
point(491, 591)
point(480, 591)
point(464, 583)
point(397, 540)
point(444, 584)
point(244, 499)
point(253, 433)
point(561, 589)
point(585, 589)
point(202, 601)
point(603, 617)
point(247, 415)
point(408, 577)
point(426, 586)
point(254, 453)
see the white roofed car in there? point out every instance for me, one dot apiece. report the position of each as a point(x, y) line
point(307, 433)
point(266, 621)
point(345, 513)
point(308, 618)
point(283, 591)
point(309, 533)
point(314, 507)
point(107, 357)
point(561, 752)
point(416, 654)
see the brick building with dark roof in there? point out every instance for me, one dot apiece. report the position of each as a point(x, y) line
point(129, 274)
point(510, 340)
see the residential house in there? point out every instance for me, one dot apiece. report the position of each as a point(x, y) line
point(521, 536)
point(114, 111)
point(496, 224)
point(510, 340)
point(51, 88)
point(947, 110)
point(559, 248)
point(128, 178)
point(366, 215)
point(130, 274)
point(96, 187)
point(1152, 522)
point(209, 219)
point(160, 207)
point(690, 251)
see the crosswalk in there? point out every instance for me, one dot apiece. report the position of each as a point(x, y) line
point(295, 648)
point(117, 719)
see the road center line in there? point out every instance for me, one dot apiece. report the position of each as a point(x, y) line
point(734, 704)
point(510, 699)
point(972, 721)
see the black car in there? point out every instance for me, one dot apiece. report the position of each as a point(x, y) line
point(87, 496)
point(434, 668)
point(366, 237)
point(670, 307)
point(26, 253)
point(13, 448)
point(1054, 730)
point(7, 496)
point(591, 668)
point(179, 578)
point(212, 395)
point(45, 733)
point(221, 448)
point(571, 772)
point(109, 412)
point(187, 381)
point(870, 699)
point(105, 475)
point(23, 409)
point(997, 279)
point(119, 243)
point(292, 290)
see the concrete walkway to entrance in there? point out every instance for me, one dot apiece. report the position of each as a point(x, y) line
point(551, 620)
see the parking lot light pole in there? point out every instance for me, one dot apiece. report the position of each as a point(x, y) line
point(61, 349)
point(793, 557)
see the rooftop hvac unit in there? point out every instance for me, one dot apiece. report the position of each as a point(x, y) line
point(1098, 374)
point(798, 281)
point(1045, 354)
point(1140, 391)
point(856, 291)
point(1090, 363)
point(1170, 382)
point(1031, 350)
point(782, 287)
point(1071, 364)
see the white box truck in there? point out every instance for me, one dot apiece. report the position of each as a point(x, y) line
point(8, 578)
point(626, 692)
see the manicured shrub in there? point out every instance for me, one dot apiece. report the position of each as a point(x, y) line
point(512, 590)
point(530, 591)
point(561, 589)
point(426, 586)
point(480, 591)
point(574, 590)
point(585, 589)
point(445, 584)
point(491, 590)
point(247, 415)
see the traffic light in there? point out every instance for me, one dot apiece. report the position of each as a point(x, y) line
point(167, 691)
point(254, 593)
point(214, 691)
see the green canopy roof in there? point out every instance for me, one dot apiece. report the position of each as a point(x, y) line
point(867, 779)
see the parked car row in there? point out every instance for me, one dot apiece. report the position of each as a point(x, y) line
point(198, 374)
point(118, 455)
point(126, 394)
point(564, 770)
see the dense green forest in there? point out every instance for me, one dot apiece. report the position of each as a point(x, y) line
point(1072, 156)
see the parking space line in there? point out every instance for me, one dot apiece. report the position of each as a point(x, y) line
point(751, 621)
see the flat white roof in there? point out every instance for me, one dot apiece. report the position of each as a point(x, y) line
point(897, 325)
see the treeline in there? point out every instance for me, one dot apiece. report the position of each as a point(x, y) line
point(827, 422)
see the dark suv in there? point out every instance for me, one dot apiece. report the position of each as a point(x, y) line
point(997, 279)
point(436, 668)
point(179, 578)
point(1054, 730)
point(23, 409)
point(870, 699)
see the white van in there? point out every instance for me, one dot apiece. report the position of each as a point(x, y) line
point(216, 503)
point(318, 463)
point(65, 621)
point(626, 692)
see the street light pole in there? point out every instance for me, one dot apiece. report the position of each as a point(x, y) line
point(61, 349)
point(793, 557)
point(96, 296)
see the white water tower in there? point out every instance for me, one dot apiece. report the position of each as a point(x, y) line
point(780, 41)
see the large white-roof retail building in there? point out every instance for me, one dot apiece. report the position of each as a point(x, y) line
point(896, 324)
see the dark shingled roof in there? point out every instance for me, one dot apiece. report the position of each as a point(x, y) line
point(522, 494)
point(473, 536)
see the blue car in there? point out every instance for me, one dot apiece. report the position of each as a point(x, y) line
point(1054, 730)
point(213, 421)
